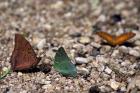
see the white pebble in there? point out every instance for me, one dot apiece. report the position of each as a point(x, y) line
point(20, 74)
point(84, 40)
point(108, 70)
point(123, 49)
point(114, 84)
point(96, 45)
point(81, 60)
point(115, 53)
point(82, 70)
point(57, 5)
point(102, 18)
point(134, 53)
point(41, 44)
point(23, 91)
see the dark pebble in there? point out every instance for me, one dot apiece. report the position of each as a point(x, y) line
point(94, 89)
point(116, 18)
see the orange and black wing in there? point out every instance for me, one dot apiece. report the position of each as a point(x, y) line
point(107, 37)
point(124, 37)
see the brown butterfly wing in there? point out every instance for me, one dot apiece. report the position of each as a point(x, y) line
point(23, 56)
point(124, 37)
point(107, 37)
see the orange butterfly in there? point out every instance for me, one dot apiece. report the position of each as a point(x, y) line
point(116, 40)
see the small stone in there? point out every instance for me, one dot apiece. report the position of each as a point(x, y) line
point(108, 70)
point(115, 85)
point(82, 70)
point(95, 63)
point(102, 18)
point(94, 89)
point(116, 18)
point(57, 5)
point(134, 83)
point(47, 87)
point(81, 60)
point(20, 74)
point(50, 53)
point(84, 40)
point(24, 91)
point(75, 34)
point(134, 53)
point(123, 49)
point(41, 44)
point(137, 42)
point(94, 52)
point(48, 26)
point(126, 63)
point(96, 45)
point(45, 82)
point(46, 61)
point(68, 15)
point(105, 49)
point(115, 53)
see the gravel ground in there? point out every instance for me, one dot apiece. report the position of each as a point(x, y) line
point(49, 24)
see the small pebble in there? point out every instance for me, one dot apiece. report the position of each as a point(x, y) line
point(20, 74)
point(134, 53)
point(108, 70)
point(135, 82)
point(57, 5)
point(94, 89)
point(84, 40)
point(75, 34)
point(96, 45)
point(48, 86)
point(137, 42)
point(101, 18)
point(95, 52)
point(81, 60)
point(82, 70)
point(123, 49)
point(105, 49)
point(126, 63)
point(41, 44)
point(48, 26)
point(116, 18)
point(115, 85)
point(45, 82)
point(23, 91)
point(115, 53)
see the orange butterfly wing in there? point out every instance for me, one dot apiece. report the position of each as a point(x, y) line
point(107, 37)
point(124, 37)
point(23, 57)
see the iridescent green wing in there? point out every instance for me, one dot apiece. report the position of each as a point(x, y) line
point(63, 64)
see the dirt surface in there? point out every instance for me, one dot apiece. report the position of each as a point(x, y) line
point(49, 24)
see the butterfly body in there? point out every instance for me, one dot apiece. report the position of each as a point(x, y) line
point(23, 57)
point(116, 40)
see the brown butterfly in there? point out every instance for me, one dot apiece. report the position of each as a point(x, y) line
point(23, 57)
point(116, 40)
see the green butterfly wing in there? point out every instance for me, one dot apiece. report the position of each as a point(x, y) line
point(63, 64)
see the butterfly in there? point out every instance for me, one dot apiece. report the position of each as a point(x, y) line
point(116, 40)
point(63, 64)
point(23, 56)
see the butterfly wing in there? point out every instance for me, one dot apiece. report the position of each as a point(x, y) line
point(107, 37)
point(23, 57)
point(124, 37)
point(63, 64)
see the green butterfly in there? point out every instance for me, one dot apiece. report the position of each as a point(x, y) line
point(63, 64)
